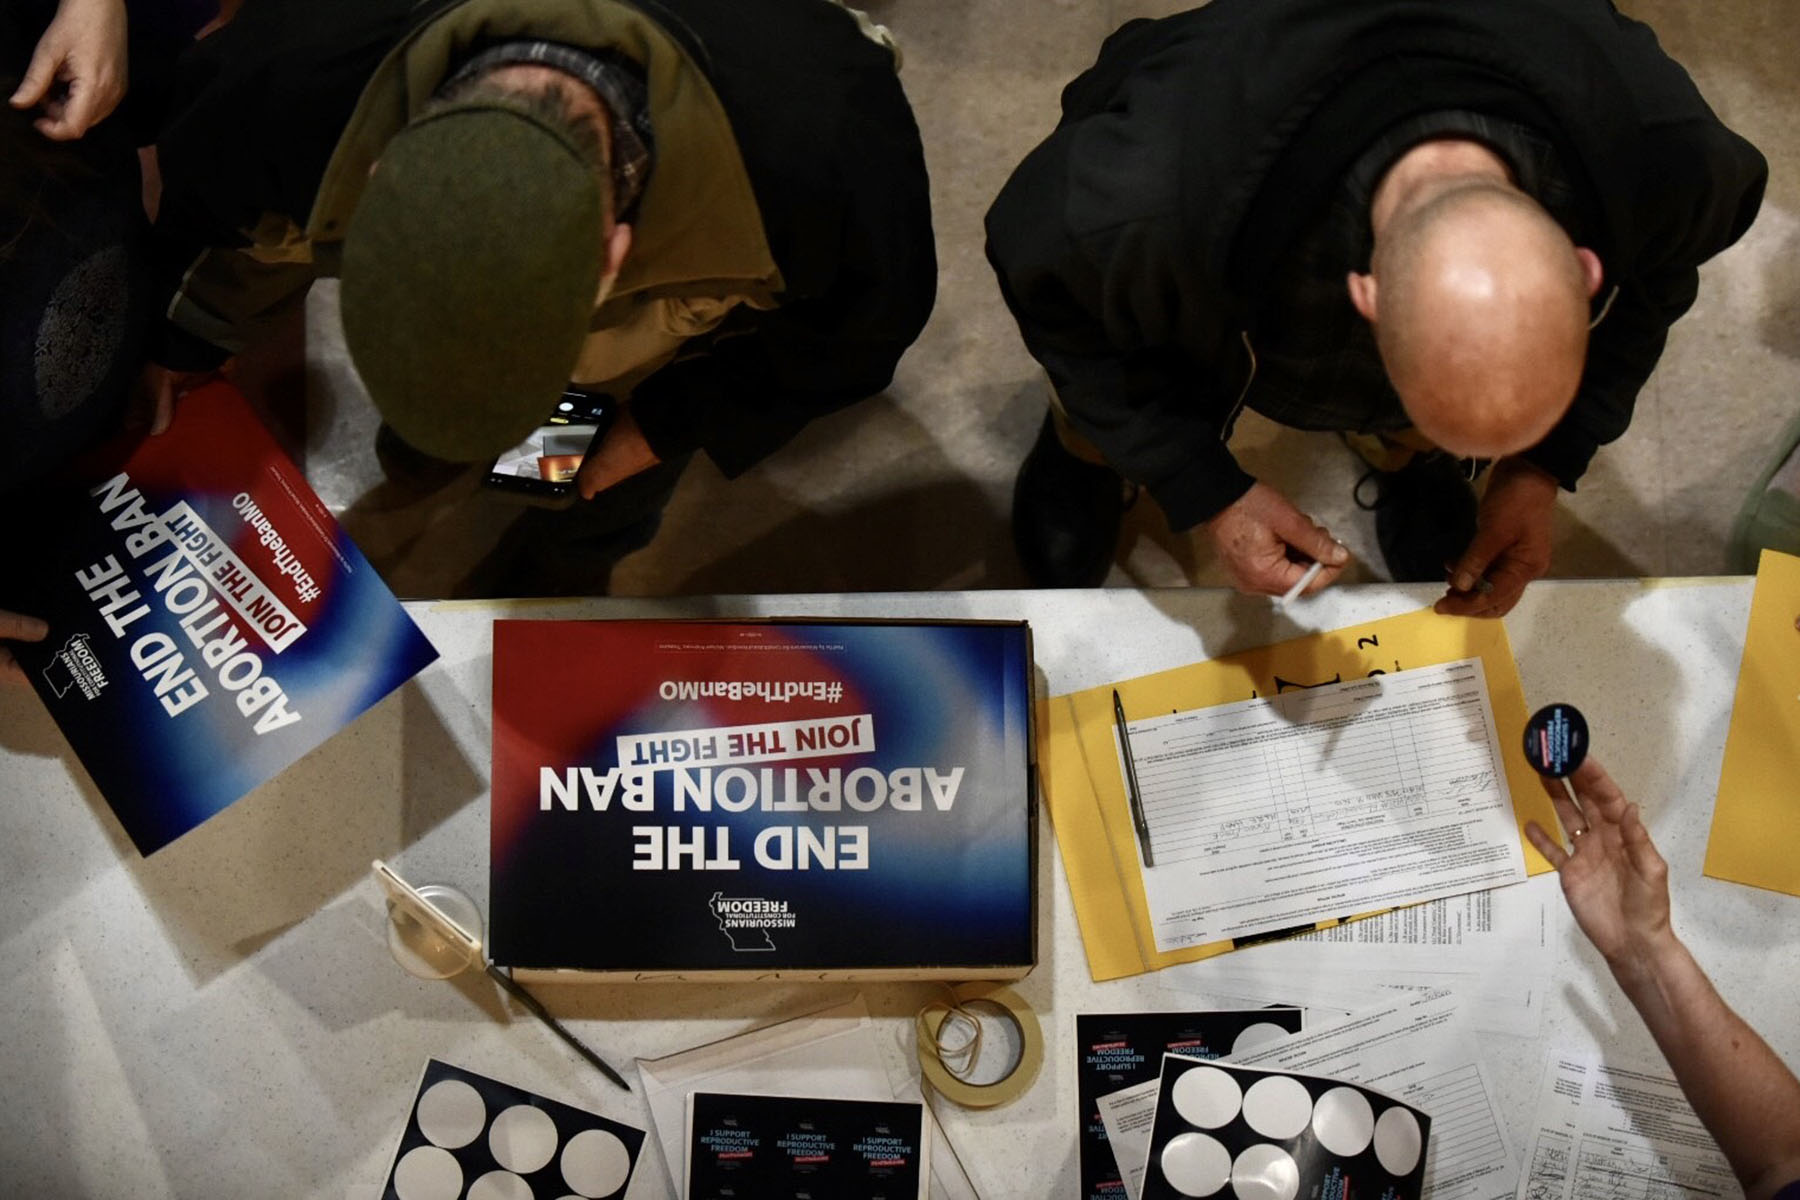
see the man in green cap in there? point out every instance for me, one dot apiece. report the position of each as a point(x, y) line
point(714, 211)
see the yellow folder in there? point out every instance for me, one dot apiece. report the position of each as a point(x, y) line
point(1085, 794)
point(1755, 835)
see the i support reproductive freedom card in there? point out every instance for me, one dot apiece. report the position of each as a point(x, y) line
point(209, 621)
point(803, 1148)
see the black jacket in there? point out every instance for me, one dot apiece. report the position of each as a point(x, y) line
point(1135, 244)
point(823, 128)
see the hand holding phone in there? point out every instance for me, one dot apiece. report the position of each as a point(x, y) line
point(542, 468)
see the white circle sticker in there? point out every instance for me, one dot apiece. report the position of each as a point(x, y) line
point(1265, 1172)
point(451, 1114)
point(1259, 1034)
point(1343, 1121)
point(1278, 1107)
point(523, 1138)
point(428, 1173)
point(595, 1163)
point(1207, 1097)
point(1195, 1165)
point(1397, 1141)
point(500, 1185)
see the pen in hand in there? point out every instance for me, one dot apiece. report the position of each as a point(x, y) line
point(1305, 581)
point(1483, 585)
point(1132, 795)
point(1311, 573)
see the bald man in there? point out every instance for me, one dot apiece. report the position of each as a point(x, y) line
point(1455, 233)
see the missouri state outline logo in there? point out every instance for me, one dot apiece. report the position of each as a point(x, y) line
point(746, 920)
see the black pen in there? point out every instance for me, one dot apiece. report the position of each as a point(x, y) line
point(1131, 784)
point(541, 1013)
point(454, 948)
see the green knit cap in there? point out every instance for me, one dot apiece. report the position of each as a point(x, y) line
point(469, 273)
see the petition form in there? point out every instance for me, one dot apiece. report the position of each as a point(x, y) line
point(1492, 948)
point(1611, 1131)
point(1501, 920)
point(1268, 813)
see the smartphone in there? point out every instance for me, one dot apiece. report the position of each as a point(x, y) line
point(541, 469)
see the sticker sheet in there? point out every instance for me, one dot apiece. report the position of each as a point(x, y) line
point(1114, 1051)
point(1277, 1136)
point(469, 1137)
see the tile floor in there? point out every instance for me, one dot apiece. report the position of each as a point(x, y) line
point(911, 488)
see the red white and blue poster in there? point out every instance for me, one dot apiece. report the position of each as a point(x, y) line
point(694, 797)
point(209, 621)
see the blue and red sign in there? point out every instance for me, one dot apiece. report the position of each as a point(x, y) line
point(761, 796)
point(209, 621)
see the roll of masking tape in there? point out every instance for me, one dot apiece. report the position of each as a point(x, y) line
point(930, 1031)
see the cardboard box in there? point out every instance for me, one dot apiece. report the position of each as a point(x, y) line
point(839, 800)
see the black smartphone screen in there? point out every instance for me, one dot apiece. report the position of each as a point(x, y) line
point(543, 466)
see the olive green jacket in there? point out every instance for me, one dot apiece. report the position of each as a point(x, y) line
point(781, 257)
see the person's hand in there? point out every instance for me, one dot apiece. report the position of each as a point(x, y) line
point(1616, 884)
point(1512, 542)
point(16, 628)
point(1266, 544)
point(84, 48)
point(158, 390)
point(622, 453)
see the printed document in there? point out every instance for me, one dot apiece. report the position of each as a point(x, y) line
point(1419, 1050)
point(1328, 801)
point(1129, 1115)
point(1416, 1049)
point(1492, 948)
point(1498, 921)
point(1606, 1130)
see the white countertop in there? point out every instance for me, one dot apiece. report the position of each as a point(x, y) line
point(223, 1019)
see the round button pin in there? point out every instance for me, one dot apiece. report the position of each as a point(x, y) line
point(1556, 740)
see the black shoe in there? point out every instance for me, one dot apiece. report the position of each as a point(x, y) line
point(1424, 516)
point(1065, 515)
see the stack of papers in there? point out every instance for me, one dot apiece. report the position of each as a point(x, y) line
point(1416, 1049)
point(1323, 802)
point(1492, 948)
point(1291, 787)
point(1606, 1129)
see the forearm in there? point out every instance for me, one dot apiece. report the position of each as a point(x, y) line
point(1150, 418)
point(1747, 1098)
